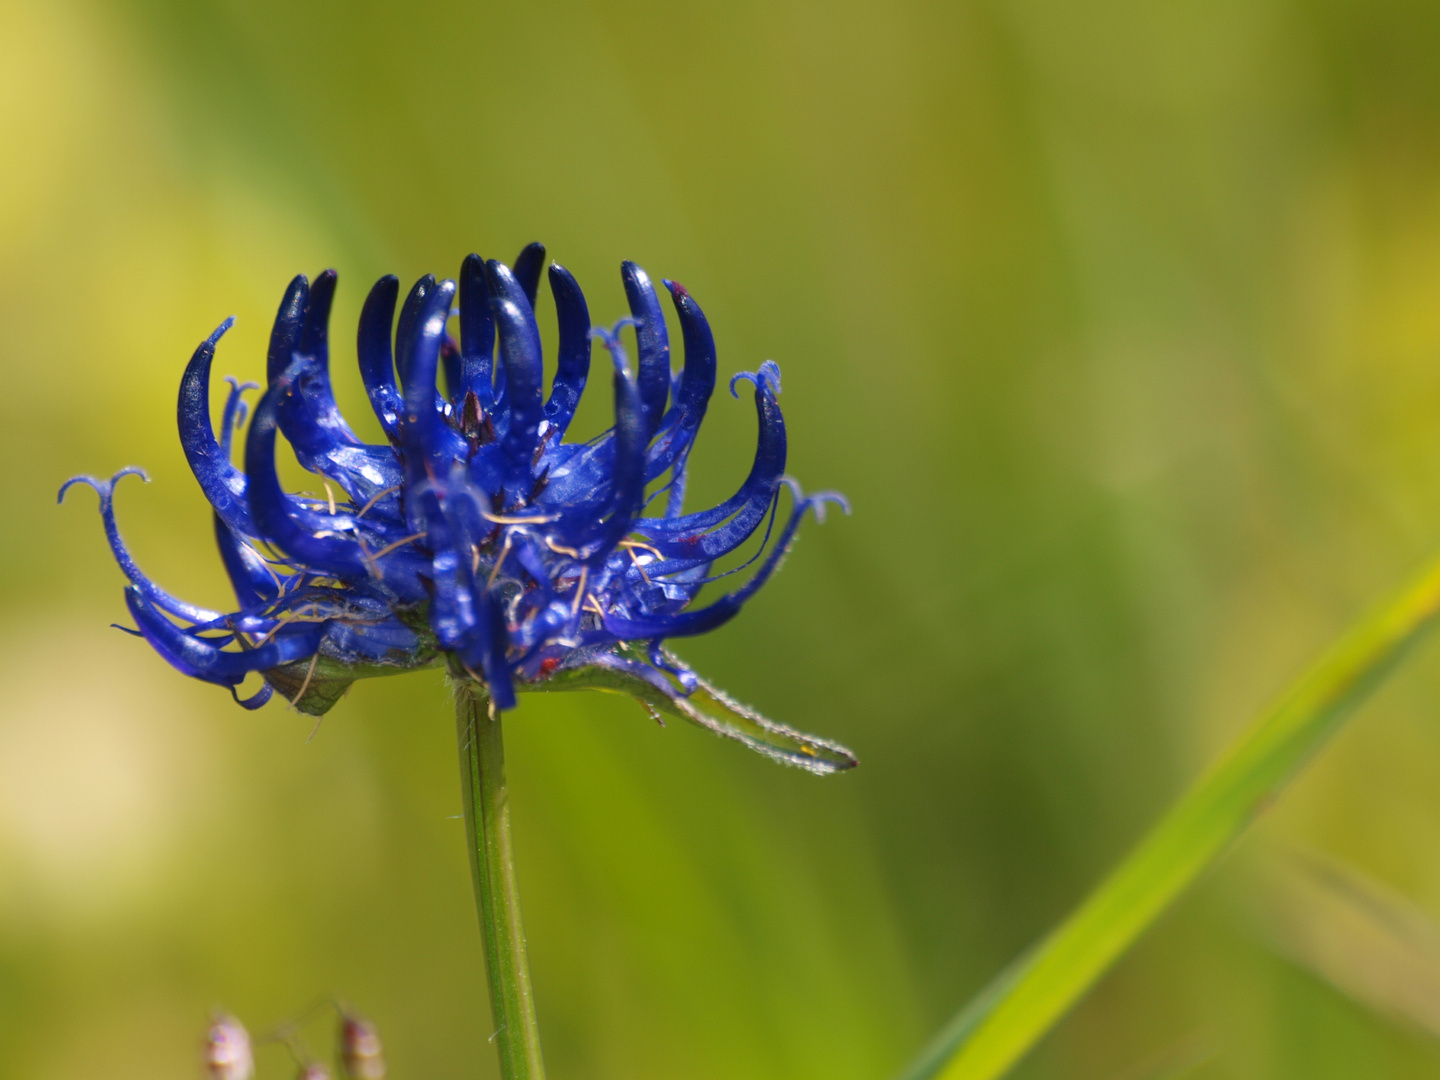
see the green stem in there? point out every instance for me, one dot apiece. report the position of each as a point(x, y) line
point(1029, 996)
point(497, 895)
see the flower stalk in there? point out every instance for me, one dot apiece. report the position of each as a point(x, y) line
point(497, 894)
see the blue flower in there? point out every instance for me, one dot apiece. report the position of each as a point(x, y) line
point(477, 537)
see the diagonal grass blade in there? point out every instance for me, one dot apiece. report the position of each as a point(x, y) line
point(996, 1029)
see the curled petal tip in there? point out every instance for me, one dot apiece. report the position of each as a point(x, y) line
point(102, 487)
point(90, 481)
point(816, 502)
point(255, 700)
point(820, 498)
point(219, 331)
point(528, 265)
point(613, 333)
point(610, 338)
point(130, 470)
point(768, 377)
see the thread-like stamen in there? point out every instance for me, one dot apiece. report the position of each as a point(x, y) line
point(279, 585)
point(636, 545)
point(329, 495)
point(295, 701)
point(580, 590)
point(504, 550)
point(369, 559)
point(561, 548)
point(284, 618)
point(397, 544)
point(501, 520)
point(376, 498)
point(636, 560)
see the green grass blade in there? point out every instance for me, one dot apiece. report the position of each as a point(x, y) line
point(1022, 1003)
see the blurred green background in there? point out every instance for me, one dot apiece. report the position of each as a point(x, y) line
point(1119, 322)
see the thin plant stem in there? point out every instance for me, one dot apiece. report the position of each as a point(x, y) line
point(497, 895)
point(1025, 1000)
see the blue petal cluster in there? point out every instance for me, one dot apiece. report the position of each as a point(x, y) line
point(477, 534)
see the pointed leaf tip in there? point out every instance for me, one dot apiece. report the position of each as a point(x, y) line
point(707, 707)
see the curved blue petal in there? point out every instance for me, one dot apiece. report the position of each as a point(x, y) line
point(234, 413)
point(289, 325)
point(200, 659)
point(520, 354)
point(454, 368)
point(452, 605)
point(106, 490)
point(477, 334)
point(315, 343)
point(430, 444)
point(377, 367)
point(692, 397)
point(405, 327)
point(572, 353)
point(255, 700)
point(652, 344)
point(222, 483)
point(702, 620)
point(487, 651)
point(528, 265)
point(326, 550)
point(314, 400)
point(467, 617)
point(627, 494)
point(250, 575)
point(684, 537)
point(309, 417)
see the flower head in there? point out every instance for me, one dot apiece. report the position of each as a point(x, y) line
point(477, 536)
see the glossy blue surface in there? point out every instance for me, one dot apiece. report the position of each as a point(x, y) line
point(521, 554)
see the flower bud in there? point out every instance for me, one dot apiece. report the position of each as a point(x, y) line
point(360, 1050)
point(228, 1055)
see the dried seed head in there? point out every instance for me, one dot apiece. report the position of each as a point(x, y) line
point(228, 1055)
point(360, 1050)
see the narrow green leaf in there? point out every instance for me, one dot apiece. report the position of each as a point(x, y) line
point(1026, 999)
point(714, 710)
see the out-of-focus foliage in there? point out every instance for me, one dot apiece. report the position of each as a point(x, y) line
point(1119, 323)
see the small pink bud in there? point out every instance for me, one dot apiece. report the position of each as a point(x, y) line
point(360, 1049)
point(227, 1050)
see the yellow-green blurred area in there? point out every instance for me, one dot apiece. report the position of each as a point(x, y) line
point(1119, 323)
